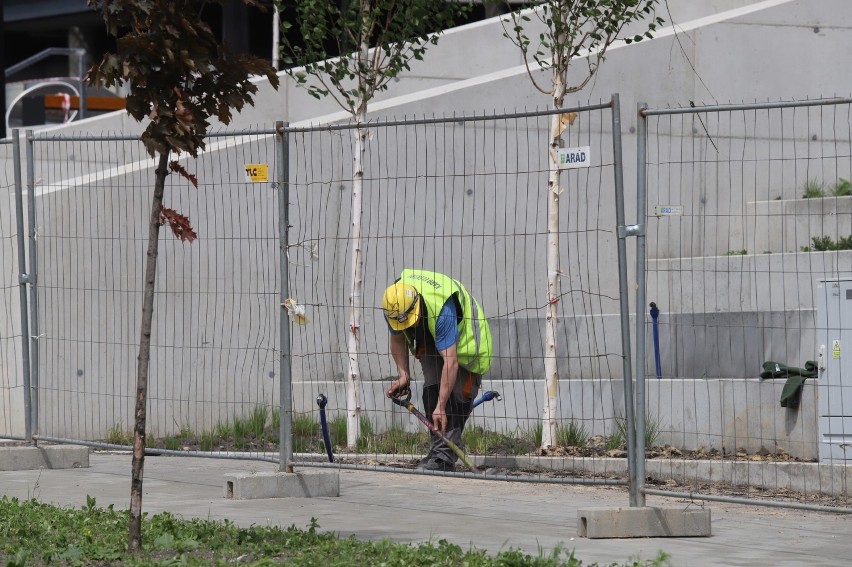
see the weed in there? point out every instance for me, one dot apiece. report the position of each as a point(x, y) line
point(257, 421)
point(337, 430)
point(534, 434)
point(206, 442)
point(618, 439)
point(187, 432)
point(572, 435)
point(366, 434)
point(117, 435)
point(826, 244)
point(172, 443)
point(736, 252)
point(223, 431)
point(844, 243)
point(305, 426)
point(813, 189)
point(396, 440)
point(653, 427)
point(822, 243)
point(843, 188)
point(482, 441)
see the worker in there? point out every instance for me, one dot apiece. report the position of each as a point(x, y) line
point(435, 318)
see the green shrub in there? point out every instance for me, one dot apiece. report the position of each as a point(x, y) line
point(822, 243)
point(843, 188)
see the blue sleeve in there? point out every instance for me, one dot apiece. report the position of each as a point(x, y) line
point(446, 327)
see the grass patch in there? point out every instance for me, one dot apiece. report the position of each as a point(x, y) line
point(534, 434)
point(479, 441)
point(34, 534)
point(337, 431)
point(843, 188)
point(618, 439)
point(813, 189)
point(827, 244)
point(259, 431)
point(572, 435)
point(118, 435)
point(396, 440)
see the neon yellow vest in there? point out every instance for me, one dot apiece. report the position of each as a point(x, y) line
point(474, 345)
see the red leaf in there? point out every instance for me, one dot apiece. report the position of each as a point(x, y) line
point(176, 167)
point(179, 224)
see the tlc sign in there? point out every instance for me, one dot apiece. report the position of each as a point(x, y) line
point(570, 158)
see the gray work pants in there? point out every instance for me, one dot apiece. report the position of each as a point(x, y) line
point(459, 404)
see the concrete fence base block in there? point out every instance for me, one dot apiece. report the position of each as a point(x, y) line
point(44, 457)
point(302, 484)
point(597, 523)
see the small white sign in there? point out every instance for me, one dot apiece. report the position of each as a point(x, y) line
point(570, 158)
point(668, 210)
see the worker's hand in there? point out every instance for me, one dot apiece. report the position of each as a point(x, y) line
point(399, 386)
point(439, 419)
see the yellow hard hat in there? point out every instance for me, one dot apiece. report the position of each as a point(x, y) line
point(401, 303)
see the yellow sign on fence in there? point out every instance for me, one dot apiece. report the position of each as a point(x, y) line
point(257, 172)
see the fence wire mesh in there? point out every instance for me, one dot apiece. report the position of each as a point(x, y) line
point(466, 197)
point(11, 358)
point(214, 354)
point(747, 212)
point(747, 218)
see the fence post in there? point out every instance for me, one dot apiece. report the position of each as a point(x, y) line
point(33, 281)
point(23, 279)
point(285, 404)
point(641, 292)
point(627, 364)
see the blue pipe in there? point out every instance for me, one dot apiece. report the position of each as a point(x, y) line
point(654, 314)
point(486, 397)
point(321, 402)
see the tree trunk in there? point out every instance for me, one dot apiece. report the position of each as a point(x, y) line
point(144, 357)
point(353, 391)
point(551, 372)
point(353, 385)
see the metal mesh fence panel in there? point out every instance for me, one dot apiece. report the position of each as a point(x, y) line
point(465, 197)
point(12, 424)
point(214, 354)
point(747, 212)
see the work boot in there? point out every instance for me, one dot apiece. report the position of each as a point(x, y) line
point(437, 464)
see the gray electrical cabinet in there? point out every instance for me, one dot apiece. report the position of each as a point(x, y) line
point(834, 343)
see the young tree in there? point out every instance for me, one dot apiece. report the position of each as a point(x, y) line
point(179, 76)
point(374, 41)
point(571, 29)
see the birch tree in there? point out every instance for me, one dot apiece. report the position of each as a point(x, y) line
point(551, 37)
point(373, 41)
point(179, 76)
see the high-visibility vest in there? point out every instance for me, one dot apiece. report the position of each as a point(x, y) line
point(474, 344)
